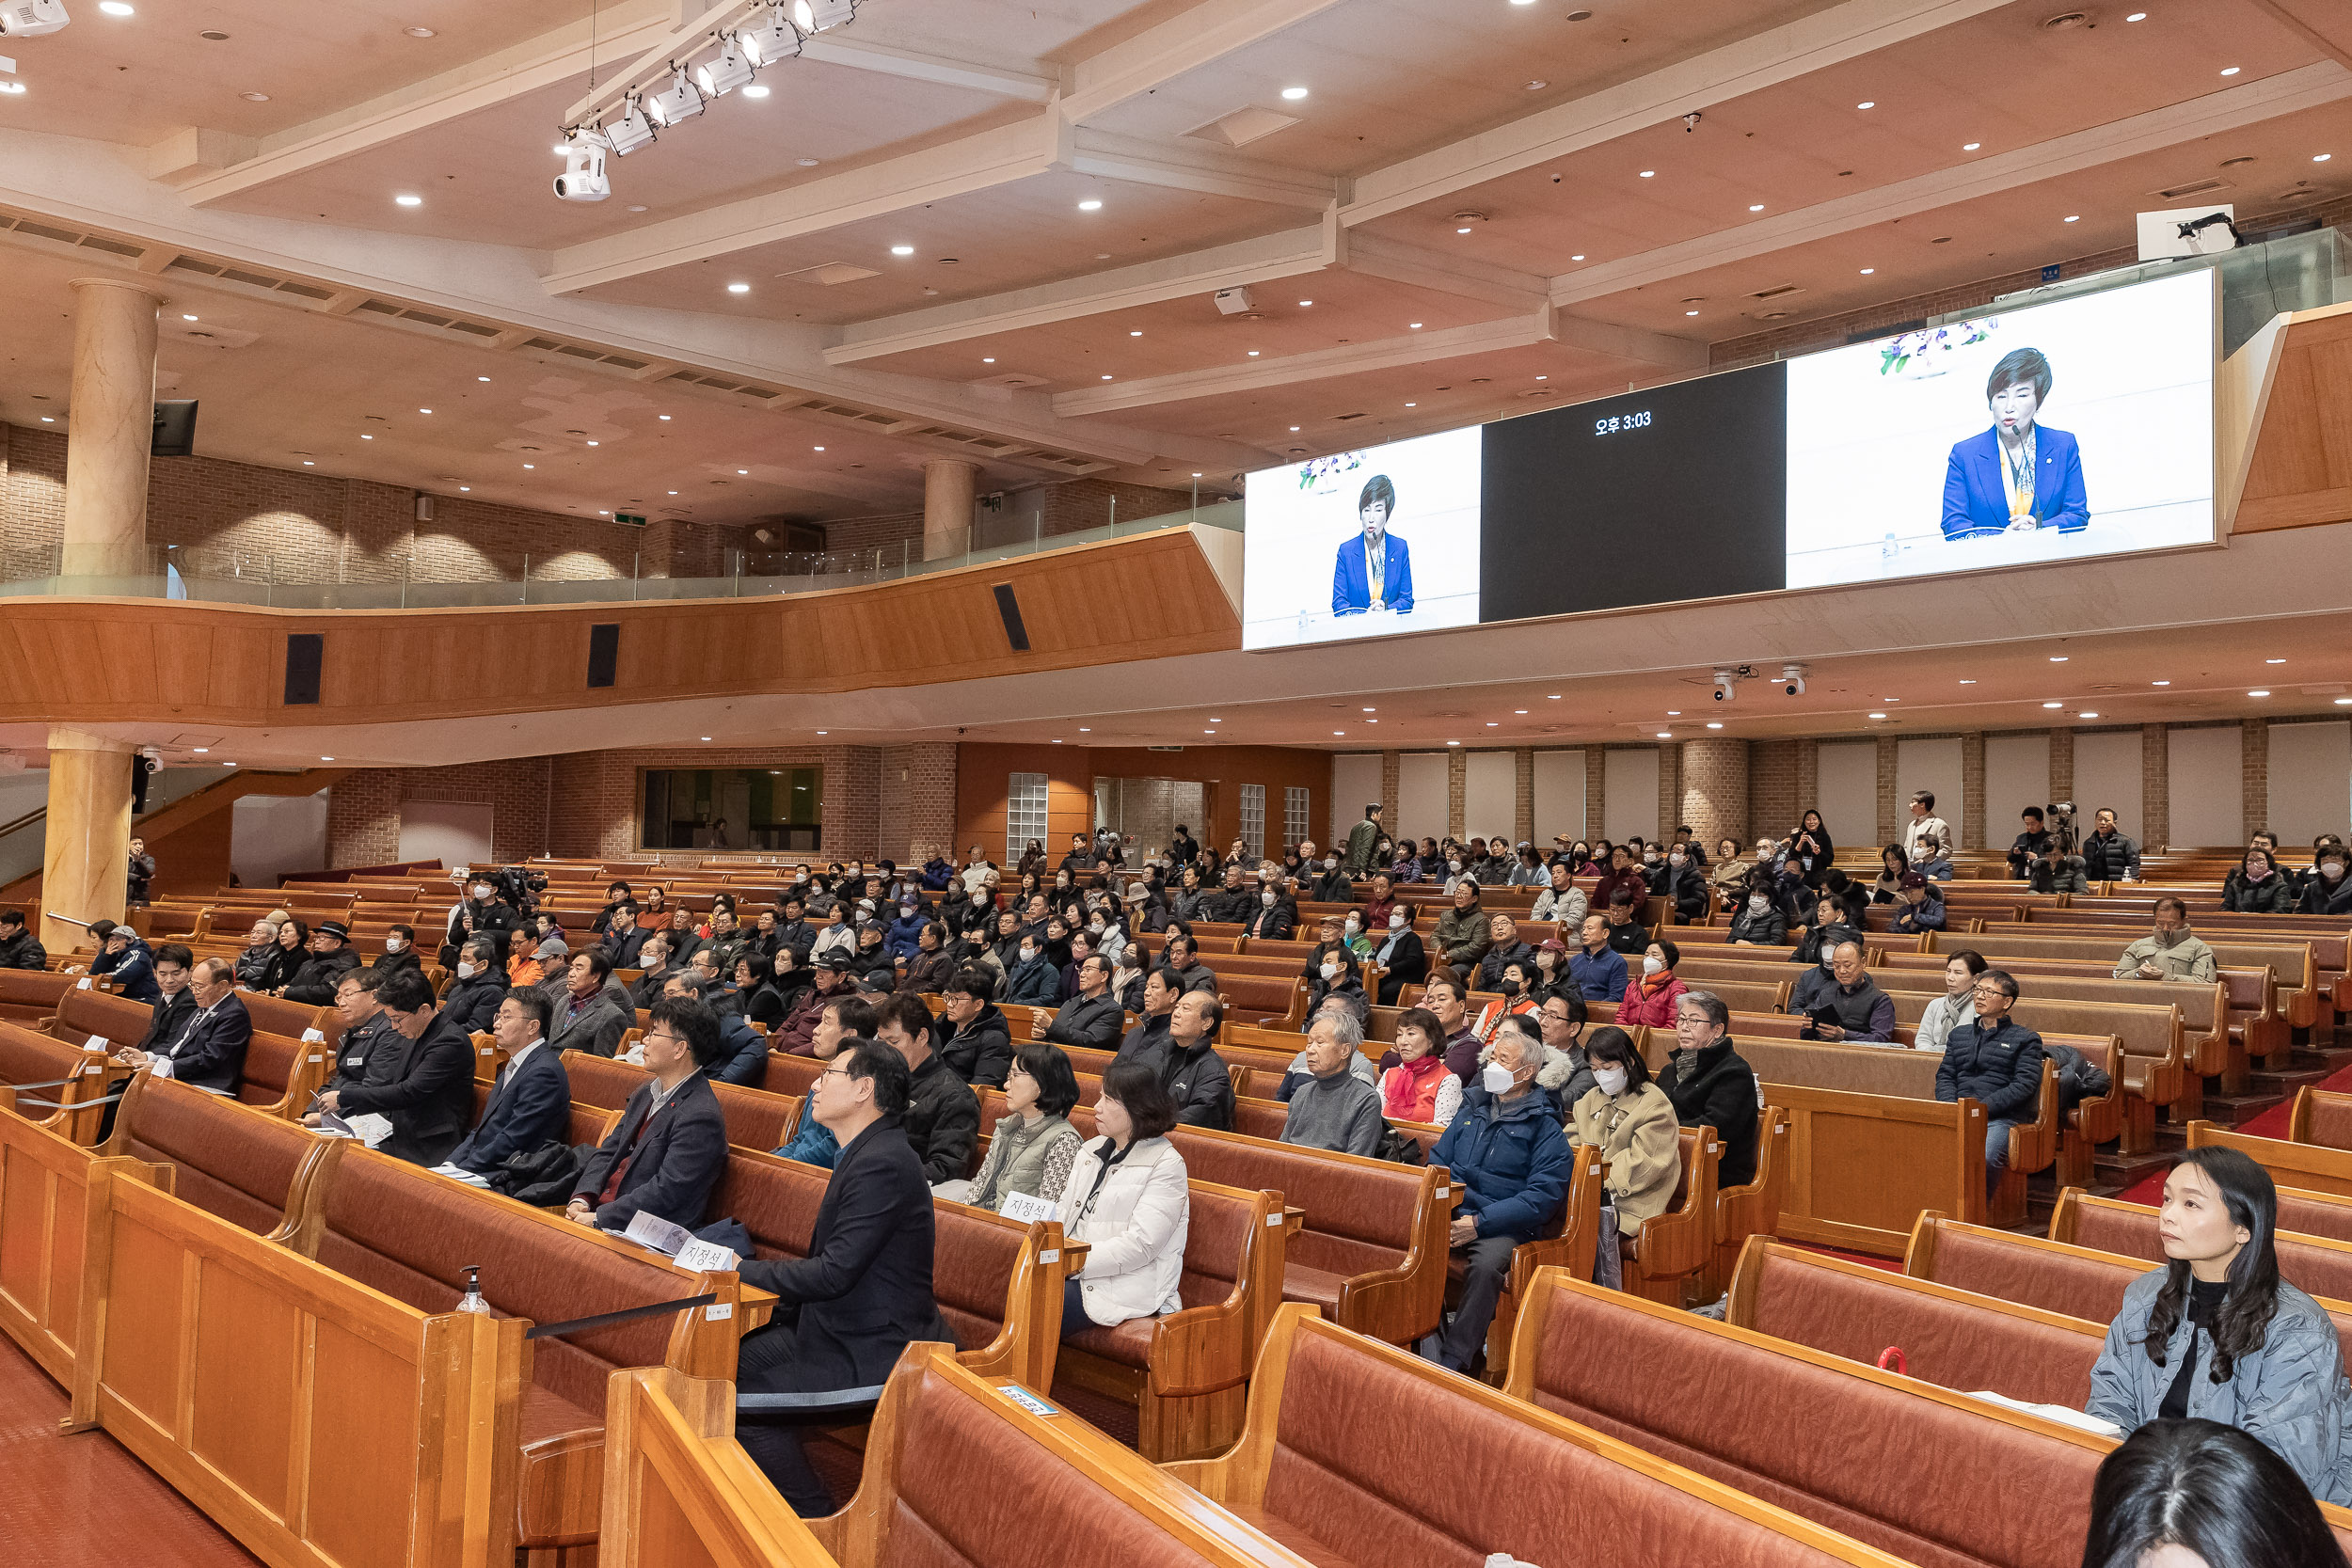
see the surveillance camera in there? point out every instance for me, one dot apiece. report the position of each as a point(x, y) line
point(1724, 689)
point(583, 178)
point(1691, 122)
point(1792, 680)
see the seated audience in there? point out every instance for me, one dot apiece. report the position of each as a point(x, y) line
point(1338, 976)
point(794, 1035)
point(1448, 997)
point(1933, 861)
point(1183, 962)
point(21, 949)
point(847, 1310)
point(1832, 925)
point(1727, 880)
point(1034, 1145)
point(1464, 932)
point(586, 1018)
point(2257, 886)
point(742, 1054)
point(1631, 1122)
point(2170, 951)
point(970, 1033)
point(1759, 922)
point(623, 941)
point(1620, 872)
point(419, 1078)
point(1596, 969)
point(755, 994)
point(1127, 979)
point(2216, 1335)
point(1188, 1067)
point(1894, 864)
point(2196, 1494)
point(369, 1042)
point(1626, 935)
point(176, 1005)
point(2327, 891)
point(400, 950)
point(472, 995)
point(843, 1017)
point(531, 1104)
point(1682, 883)
point(1415, 1088)
point(942, 1116)
point(258, 968)
point(331, 958)
point(1093, 1018)
point(1334, 1103)
point(1919, 906)
point(1561, 900)
point(1710, 1081)
point(1509, 1163)
point(209, 1048)
point(2055, 872)
point(124, 956)
point(1956, 1007)
point(1402, 960)
point(1651, 999)
point(1503, 946)
point(1849, 1007)
point(671, 1144)
point(1996, 1062)
point(1161, 993)
point(1128, 1200)
point(1277, 917)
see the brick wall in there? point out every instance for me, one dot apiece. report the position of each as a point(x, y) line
point(2155, 783)
point(1717, 783)
point(915, 813)
point(1971, 789)
point(2254, 758)
point(1771, 788)
point(1595, 791)
point(296, 524)
point(363, 809)
point(1457, 792)
point(1891, 812)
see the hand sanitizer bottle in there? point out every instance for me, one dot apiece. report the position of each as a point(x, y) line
point(472, 1301)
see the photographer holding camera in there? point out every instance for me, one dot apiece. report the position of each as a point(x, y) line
point(482, 914)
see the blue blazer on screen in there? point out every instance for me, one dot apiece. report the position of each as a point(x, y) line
point(1351, 578)
point(1976, 495)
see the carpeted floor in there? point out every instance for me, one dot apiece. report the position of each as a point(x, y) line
point(2270, 1124)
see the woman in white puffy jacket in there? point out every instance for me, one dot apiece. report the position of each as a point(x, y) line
point(1127, 1200)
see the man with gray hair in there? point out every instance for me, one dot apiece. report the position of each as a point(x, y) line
point(1710, 1081)
point(1335, 1108)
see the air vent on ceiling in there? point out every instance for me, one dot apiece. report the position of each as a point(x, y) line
point(2199, 187)
point(829, 274)
point(1357, 415)
point(112, 247)
point(1010, 378)
point(1777, 293)
point(1241, 127)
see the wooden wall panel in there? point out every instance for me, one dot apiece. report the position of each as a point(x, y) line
point(115, 660)
point(2301, 472)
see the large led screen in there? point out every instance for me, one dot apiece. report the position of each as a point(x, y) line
point(2063, 431)
point(1363, 544)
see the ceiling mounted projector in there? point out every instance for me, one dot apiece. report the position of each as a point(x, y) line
point(815, 16)
point(772, 37)
point(31, 19)
point(1232, 302)
point(631, 131)
point(677, 101)
point(727, 71)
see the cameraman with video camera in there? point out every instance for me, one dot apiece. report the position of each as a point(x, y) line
point(482, 914)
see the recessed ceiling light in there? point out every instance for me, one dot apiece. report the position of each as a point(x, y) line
point(1867, 271)
point(1453, 743)
point(407, 200)
point(1372, 710)
point(901, 250)
point(187, 318)
point(1665, 735)
point(485, 378)
point(200, 750)
point(2321, 157)
point(757, 89)
point(594, 443)
point(1543, 378)
point(1714, 723)
point(1521, 711)
point(2057, 658)
point(1091, 204)
point(1417, 326)
point(2086, 713)
point(1412, 405)
point(817, 448)
point(1253, 354)
point(1208, 732)
point(2344, 702)
point(1339, 732)
point(1106, 378)
point(1084, 730)
point(465, 488)
point(1878, 716)
point(673, 492)
point(1294, 430)
point(1537, 85)
point(2258, 693)
point(1135, 333)
point(1649, 174)
point(1576, 257)
point(665, 416)
point(1755, 206)
point(2054, 704)
point(1461, 231)
point(1554, 697)
point(2137, 16)
point(327, 759)
point(1867, 104)
point(2274, 661)
point(738, 287)
point(824, 732)
point(1970, 145)
point(2229, 71)
point(1304, 303)
point(2074, 217)
point(988, 359)
point(115, 7)
point(417, 32)
point(365, 437)
point(11, 86)
point(1294, 94)
point(1967, 683)
point(742, 471)
point(254, 97)
point(2159, 683)
point(1689, 313)
point(531, 464)
point(1494, 724)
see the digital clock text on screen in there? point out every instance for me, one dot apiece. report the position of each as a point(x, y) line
point(1616, 423)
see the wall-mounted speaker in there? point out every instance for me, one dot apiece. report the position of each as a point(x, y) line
point(305, 650)
point(604, 653)
point(1009, 606)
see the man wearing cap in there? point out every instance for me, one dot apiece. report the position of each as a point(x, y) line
point(126, 959)
point(1918, 905)
point(1361, 838)
point(796, 1035)
point(331, 958)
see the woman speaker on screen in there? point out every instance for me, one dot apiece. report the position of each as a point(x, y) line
point(2020, 475)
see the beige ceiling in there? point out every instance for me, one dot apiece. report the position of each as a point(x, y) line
point(974, 129)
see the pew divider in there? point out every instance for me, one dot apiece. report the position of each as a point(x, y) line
point(678, 1488)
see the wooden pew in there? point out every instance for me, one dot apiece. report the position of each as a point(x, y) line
point(1951, 1338)
point(28, 1058)
point(2321, 1119)
point(757, 1118)
point(1674, 1248)
point(28, 996)
point(2292, 962)
point(678, 1488)
point(2314, 1168)
point(46, 1223)
point(1753, 1209)
point(230, 1159)
point(1339, 1408)
point(2319, 1266)
point(2083, 1220)
point(1184, 1375)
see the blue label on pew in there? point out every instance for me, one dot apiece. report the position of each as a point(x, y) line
point(1025, 1400)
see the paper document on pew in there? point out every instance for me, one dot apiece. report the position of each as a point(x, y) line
point(2064, 1416)
point(700, 1256)
point(652, 1230)
point(369, 1127)
point(458, 1174)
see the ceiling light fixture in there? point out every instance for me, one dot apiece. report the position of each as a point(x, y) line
point(2057, 658)
point(738, 287)
point(1970, 145)
point(1416, 326)
point(187, 318)
point(2159, 683)
point(1967, 683)
point(424, 410)
point(2229, 71)
point(757, 89)
point(1138, 333)
point(815, 16)
point(727, 71)
point(2086, 713)
point(1878, 716)
point(2258, 693)
point(115, 7)
point(2274, 661)
point(412, 32)
point(2054, 704)
point(407, 200)
point(1253, 354)
point(482, 378)
point(2074, 217)
point(772, 37)
point(676, 103)
point(1867, 104)
point(1294, 94)
point(1304, 303)
point(1649, 174)
point(2321, 157)
point(1867, 271)
point(1755, 206)
point(254, 97)
point(11, 87)
point(1091, 204)
point(1714, 723)
point(665, 416)
point(631, 131)
point(2137, 16)
point(901, 250)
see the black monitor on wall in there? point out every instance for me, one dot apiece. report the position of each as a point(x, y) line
point(175, 428)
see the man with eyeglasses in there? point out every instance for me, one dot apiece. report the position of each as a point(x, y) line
point(1710, 1081)
point(863, 1294)
point(422, 1082)
point(672, 1142)
point(1996, 1062)
point(1561, 1019)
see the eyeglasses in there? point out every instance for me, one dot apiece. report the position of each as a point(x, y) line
point(1994, 991)
point(673, 1039)
point(837, 1072)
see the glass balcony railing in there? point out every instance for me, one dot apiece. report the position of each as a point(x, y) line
point(219, 575)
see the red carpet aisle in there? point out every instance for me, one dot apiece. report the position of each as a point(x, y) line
point(2270, 1124)
point(82, 1501)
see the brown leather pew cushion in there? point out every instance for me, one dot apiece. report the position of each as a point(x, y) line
point(974, 1492)
point(2331, 1120)
point(1794, 1433)
point(2085, 1288)
point(27, 1057)
point(271, 1063)
point(754, 1120)
point(2317, 1271)
point(1217, 1230)
point(230, 1162)
point(1359, 1217)
point(1333, 1477)
point(601, 1081)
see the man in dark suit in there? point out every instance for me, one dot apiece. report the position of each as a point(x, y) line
point(623, 941)
point(173, 964)
point(532, 1101)
point(209, 1053)
point(425, 1084)
point(671, 1144)
point(864, 1293)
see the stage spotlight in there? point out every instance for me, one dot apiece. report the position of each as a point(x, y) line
point(677, 101)
point(815, 16)
point(583, 178)
point(772, 37)
point(631, 131)
point(727, 71)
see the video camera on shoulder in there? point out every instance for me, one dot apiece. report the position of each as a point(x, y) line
point(517, 886)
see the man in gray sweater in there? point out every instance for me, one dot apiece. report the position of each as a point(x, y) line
point(1335, 1109)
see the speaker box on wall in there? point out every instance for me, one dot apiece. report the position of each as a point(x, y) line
point(304, 650)
point(604, 653)
point(1009, 606)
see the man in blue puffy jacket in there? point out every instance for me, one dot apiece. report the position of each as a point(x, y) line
point(1995, 1062)
point(1510, 1163)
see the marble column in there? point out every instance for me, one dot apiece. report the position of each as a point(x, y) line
point(88, 844)
point(949, 484)
point(113, 426)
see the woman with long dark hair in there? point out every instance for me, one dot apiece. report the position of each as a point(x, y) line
point(2215, 1334)
point(2210, 1494)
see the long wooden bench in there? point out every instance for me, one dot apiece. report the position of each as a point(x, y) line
point(29, 996)
point(757, 1118)
point(2320, 1118)
point(2317, 1265)
point(2078, 1217)
point(46, 1221)
point(1939, 1334)
point(250, 1168)
point(2291, 962)
point(2314, 1168)
point(69, 1075)
point(1330, 1411)
point(281, 1071)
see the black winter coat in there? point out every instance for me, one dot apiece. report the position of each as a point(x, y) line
point(1720, 1090)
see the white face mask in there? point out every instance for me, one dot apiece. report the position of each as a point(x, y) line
point(1353, 925)
point(1396, 922)
point(466, 972)
point(2333, 870)
point(1651, 966)
point(1763, 855)
point(1330, 862)
point(1266, 899)
point(482, 895)
point(1649, 857)
point(1758, 904)
point(1610, 1080)
point(1497, 1079)
point(1028, 955)
point(1094, 928)
point(1454, 866)
point(1330, 972)
point(1674, 860)
point(394, 945)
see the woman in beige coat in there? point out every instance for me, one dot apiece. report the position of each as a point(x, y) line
point(1631, 1122)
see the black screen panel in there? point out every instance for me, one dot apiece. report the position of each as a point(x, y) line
point(1672, 494)
point(604, 653)
point(1009, 606)
point(303, 651)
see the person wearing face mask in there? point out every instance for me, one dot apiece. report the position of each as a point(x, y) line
point(1562, 902)
point(1331, 884)
point(2257, 887)
point(1337, 975)
point(1631, 1122)
point(1759, 922)
point(1277, 915)
point(2171, 952)
point(479, 914)
point(400, 951)
point(1651, 998)
point(471, 1000)
point(1678, 879)
point(1032, 979)
point(2329, 890)
point(1509, 1162)
point(1398, 950)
